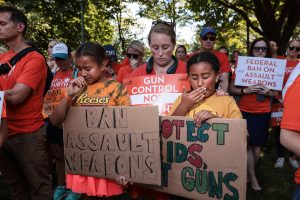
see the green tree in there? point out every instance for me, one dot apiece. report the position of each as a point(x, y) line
point(273, 19)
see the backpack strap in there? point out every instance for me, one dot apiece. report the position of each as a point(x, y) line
point(20, 55)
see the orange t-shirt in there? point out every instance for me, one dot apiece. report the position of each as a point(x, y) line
point(56, 92)
point(291, 113)
point(141, 70)
point(110, 93)
point(249, 103)
point(223, 60)
point(117, 66)
point(31, 71)
point(124, 73)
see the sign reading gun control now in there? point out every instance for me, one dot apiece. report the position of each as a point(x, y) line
point(204, 162)
point(112, 141)
point(255, 70)
point(160, 90)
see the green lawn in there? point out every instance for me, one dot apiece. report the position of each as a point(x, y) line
point(278, 184)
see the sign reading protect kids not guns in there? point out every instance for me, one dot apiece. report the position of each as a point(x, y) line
point(112, 141)
point(160, 90)
point(255, 70)
point(206, 162)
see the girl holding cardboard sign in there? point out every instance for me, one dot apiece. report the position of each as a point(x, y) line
point(202, 102)
point(90, 90)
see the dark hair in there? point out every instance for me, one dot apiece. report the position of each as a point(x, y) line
point(204, 57)
point(223, 47)
point(160, 26)
point(181, 46)
point(269, 53)
point(92, 49)
point(17, 16)
point(232, 55)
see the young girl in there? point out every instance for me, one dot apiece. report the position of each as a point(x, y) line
point(93, 83)
point(202, 103)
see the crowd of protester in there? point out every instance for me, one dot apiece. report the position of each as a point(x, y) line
point(31, 139)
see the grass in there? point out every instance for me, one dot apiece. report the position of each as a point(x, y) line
point(277, 184)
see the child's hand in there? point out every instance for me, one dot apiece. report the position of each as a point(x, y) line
point(202, 116)
point(191, 98)
point(121, 180)
point(221, 92)
point(76, 86)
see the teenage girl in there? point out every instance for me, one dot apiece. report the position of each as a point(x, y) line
point(93, 83)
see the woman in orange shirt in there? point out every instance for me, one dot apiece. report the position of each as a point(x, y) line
point(93, 83)
point(255, 104)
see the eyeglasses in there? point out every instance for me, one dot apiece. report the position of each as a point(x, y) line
point(260, 49)
point(209, 38)
point(132, 55)
point(292, 48)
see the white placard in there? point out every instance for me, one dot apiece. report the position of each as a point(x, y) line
point(255, 70)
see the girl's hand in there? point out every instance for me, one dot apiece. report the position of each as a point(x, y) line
point(121, 180)
point(221, 92)
point(76, 86)
point(189, 99)
point(203, 116)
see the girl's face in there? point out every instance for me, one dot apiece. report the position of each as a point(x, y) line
point(161, 48)
point(203, 75)
point(293, 49)
point(260, 49)
point(90, 70)
point(180, 53)
point(63, 64)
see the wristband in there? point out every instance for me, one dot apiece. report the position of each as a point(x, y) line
point(242, 91)
point(69, 99)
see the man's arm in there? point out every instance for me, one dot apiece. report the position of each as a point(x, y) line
point(290, 140)
point(18, 94)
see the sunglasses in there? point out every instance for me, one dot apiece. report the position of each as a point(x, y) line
point(292, 48)
point(260, 48)
point(205, 38)
point(132, 55)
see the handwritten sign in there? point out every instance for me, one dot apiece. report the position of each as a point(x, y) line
point(206, 162)
point(160, 90)
point(265, 71)
point(113, 141)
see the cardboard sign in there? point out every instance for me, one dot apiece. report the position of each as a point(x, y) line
point(276, 114)
point(207, 162)
point(160, 90)
point(1, 104)
point(52, 99)
point(112, 141)
point(255, 70)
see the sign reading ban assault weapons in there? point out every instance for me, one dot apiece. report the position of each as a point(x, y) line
point(111, 141)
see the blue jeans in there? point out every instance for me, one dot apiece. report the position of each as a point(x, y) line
point(297, 193)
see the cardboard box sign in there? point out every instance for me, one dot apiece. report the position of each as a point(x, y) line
point(111, 141)
point(206, 162)
point(52, 99)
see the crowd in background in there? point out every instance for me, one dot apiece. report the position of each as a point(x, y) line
point(32, 140)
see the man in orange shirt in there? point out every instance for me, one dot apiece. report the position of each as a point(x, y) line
point(208, 36)
point(23, 158)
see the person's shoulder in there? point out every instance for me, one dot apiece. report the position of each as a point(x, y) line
point(181, 68)
point(139, 71)
point(219, 55)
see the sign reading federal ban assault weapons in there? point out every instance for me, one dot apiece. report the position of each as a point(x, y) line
point(112, 141)
point(206, 162)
